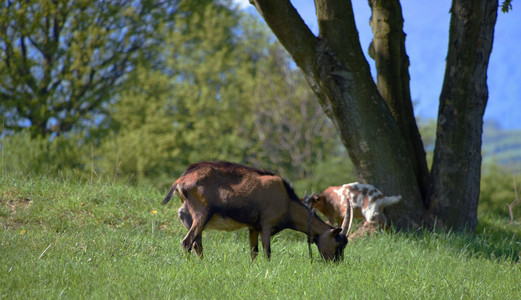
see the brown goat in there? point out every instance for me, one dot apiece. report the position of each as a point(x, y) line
point(227, 196)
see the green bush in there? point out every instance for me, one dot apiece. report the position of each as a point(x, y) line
point(23, 154)
point(497, 190)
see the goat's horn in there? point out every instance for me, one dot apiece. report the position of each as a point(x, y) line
point(309, 198)
point(346, 226)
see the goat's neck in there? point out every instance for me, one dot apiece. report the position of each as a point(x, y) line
point(300, 219)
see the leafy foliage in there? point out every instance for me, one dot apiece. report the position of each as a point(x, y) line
point(219, 88)
point(506, 6)
point(219, 95)
point(60, 61)
point(142, 146)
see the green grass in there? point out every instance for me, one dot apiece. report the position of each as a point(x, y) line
point(61, 238)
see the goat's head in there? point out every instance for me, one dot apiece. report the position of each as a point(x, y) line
point(378, 219)
point(331, 244)
point(314, 201)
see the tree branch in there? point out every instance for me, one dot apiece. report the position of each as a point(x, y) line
point(392, 64)
point(337, 26)
point(290, 29)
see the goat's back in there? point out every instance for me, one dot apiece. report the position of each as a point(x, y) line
point(333, 201)
point(236, 191)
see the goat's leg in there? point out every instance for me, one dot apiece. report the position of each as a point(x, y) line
point(194, 233)
point(198, 246)
point(384, 222)
point(265, 239)
point(254, 243)
point(186, 219)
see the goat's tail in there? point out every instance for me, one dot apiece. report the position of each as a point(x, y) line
point(390, 200)
point(170, 193)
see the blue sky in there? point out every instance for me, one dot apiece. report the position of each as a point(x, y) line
point(426, 24)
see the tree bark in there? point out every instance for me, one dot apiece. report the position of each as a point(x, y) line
point(456, 170)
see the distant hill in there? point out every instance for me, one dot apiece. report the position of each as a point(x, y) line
point(501, 146)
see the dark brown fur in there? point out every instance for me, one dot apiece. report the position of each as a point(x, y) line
point(228, 196)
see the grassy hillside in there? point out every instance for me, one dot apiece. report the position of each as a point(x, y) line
point(502, 146)
point(61, 238)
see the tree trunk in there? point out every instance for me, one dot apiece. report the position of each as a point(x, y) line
point(338, 73)
point(392, 63)
point(376, 122)
point(456, 167)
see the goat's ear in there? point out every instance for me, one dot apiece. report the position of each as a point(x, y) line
point(335, 231)
point(314, 198)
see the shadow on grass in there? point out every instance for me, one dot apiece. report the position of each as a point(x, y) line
point(498, 237)
point(495, 239)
